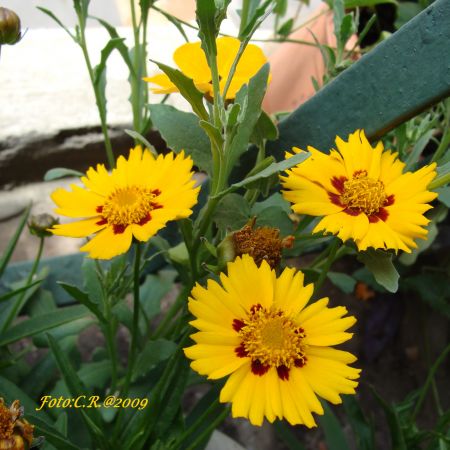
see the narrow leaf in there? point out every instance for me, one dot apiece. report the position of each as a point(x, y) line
point(61, 172)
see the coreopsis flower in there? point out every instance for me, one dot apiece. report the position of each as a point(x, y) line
point(191, 60)
point(136, 200)
point(277, 351)
point(362, 194)
point(15, 432)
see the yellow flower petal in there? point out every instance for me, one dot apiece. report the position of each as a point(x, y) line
point(191, 60)
point(107, 244)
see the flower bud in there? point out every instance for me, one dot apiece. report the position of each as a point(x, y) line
point(40, 224)
point(261, 243)
point(9, 27)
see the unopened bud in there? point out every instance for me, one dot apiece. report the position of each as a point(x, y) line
point(9, 27)
point(39, 225)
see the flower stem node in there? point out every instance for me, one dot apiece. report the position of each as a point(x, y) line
point(9, 27)
point(15, 433)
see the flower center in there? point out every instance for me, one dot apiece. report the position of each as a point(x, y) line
point(363, 193)
point(271, 339)
point(127, 206)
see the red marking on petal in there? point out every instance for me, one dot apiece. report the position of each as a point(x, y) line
point(258, 368)
point(155, 205)
point(300, 362)
point(145, 219)
point(240, 351)
point(359, 172)
point(103, 221)
point(238, 324)
point(119, 229)
point(283, 372)
point(352, 212)
point(156, 192)
point(99, 209)
point(335, 199)
point(373, 218)
point(338, 183)
point(389, 201)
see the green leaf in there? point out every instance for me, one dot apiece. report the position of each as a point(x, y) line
point(152, 354)
point(10, 392)
point(42, 323)
point(276, 200)
point(433, 288)
point(232, 212)
point(286, 28)
point(61, 172)
point(58, 21)
point(121, 47)
point(154, 288)
point(344, 282)
point(264, 129)
point(13, 241)
point(84, 299)
point(444, 195)
point(91, 281)
point(72, 328)
point(285, 432)
point(76, 388)
point(362, 428)
point(348, 28)
point(51, 434)
point(139, 138)
point(349, 4)
point(397, 437)
point(417, 150)
point(250, 98)
point(209, 15)
point(380, 264)
point(181, 131)
point(14, 292)
point(334, 435)
point(95, 375)
point(187, 89)
point(268, 171)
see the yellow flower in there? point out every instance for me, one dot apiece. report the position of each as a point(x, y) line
point(277, 351)
point(191, 60)
point(363, 194)
point(136, 200)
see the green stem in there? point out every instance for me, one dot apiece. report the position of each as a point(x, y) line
point(18, 305)
point(326, 266)
point(244, 15)
point(98, 97)
point(135, 327)
point(428, 381)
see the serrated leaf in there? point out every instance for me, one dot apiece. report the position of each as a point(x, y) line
point(382, 268)
point(181, 131)
point(250, 98)
point(61, 172)
point(187, 89)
